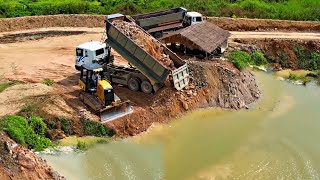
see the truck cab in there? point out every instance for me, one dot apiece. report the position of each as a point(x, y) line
point(192, 18)
point(90, 53)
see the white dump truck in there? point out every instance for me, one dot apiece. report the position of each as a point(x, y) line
point(156, 23)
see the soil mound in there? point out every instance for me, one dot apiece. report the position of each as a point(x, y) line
point(214, 84)
point(145, 41)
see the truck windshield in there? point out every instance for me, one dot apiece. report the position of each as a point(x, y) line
point(79, 52)
point(99, 52)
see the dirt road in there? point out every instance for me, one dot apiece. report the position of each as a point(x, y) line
point(274, 35)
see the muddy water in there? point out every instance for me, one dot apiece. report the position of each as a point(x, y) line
point(277, 139)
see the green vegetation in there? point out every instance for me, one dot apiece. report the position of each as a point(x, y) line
point(274, 9)
point(48, 82)
point(258, 58)
point(6, 85)
point(242, 59)
point(283, 59)
point(299, 75)
point(89, 140)
point(29, 132)
point(65, 125)
point(306, 59)
point(93, 128)
point(81, 145)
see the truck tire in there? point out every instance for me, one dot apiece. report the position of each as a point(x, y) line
point(146, 87)
point(133, 84)
point(157, 35)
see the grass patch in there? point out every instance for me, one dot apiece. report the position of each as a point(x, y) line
point(302, 75)
point(258, 58)
point(28, 132)
point(240, 59)
point(48, 82)
point(81, 145)
point(6, 85)
point(92, 128)
point(298, 73)
point(89, 140)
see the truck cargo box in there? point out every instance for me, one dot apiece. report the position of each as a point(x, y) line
point(142, 60)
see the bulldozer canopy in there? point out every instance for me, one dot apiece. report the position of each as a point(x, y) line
point(204, 36)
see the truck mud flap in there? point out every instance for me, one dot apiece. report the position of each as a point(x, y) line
point(181, 77)
point(111, 113)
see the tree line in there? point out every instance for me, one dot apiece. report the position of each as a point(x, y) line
point(271, 9)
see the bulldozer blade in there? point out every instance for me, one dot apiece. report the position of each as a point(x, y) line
point(114, 112)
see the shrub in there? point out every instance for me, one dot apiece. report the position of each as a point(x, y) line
point(293, 77)
point(240, 59)
point(307, 60)
point(81, 145)
point(93, 128)
point(48, 82)
point(258, 58)
point(26, 132)
point(283, 59)
point(16, 128)
point(37, 125)
point(65, 125)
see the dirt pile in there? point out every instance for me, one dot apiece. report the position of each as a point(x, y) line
point(17, 162)
point(33, 22)
point(215, 84)
point(20, 37)
point(147, 42)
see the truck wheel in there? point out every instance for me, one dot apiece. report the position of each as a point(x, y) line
point(157, 35)
point(133, 84)
point(146, 87)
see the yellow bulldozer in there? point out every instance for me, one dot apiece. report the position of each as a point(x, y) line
point(98, 94)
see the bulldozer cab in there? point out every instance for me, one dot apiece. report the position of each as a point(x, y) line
point(89, 76)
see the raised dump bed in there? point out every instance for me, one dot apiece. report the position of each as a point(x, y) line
point(155, 19)
point(147, 64)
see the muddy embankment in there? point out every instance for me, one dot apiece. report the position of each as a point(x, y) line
point(231, 24)
point(283, 53)
point(17, 162)
point(214, 84)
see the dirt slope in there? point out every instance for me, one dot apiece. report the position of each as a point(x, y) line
point(17, 163)
point(218, 84)
point(245, 24)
